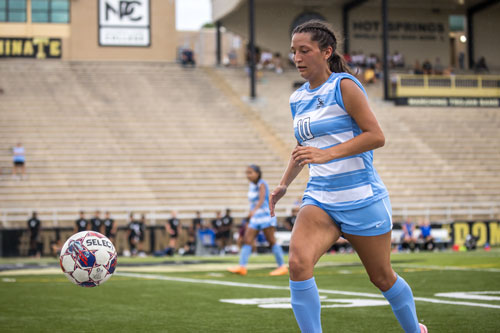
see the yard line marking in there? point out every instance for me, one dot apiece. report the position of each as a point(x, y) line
point(449, 268)
point(265, 286)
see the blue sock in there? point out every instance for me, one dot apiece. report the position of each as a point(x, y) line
point(246, 251)
point(278, 254)
point(403, 305)
point(306, 305)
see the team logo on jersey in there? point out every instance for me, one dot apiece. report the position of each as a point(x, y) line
point(320, 104)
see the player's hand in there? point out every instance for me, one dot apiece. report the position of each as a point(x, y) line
point(305, 155)
point(277, 194)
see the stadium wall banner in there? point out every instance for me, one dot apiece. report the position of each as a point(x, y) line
point(412, 31)
point(37, 47)
point(486, 232)
point(448, 101)
point(124, 23)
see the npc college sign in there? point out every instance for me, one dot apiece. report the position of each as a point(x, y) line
point(124, 23)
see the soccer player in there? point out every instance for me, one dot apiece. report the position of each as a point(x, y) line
point(81, 224)
point(172, 227)
point(136, 231)
point(260, 219)
point(336, 133)
point(109, 227)
point(96, 222)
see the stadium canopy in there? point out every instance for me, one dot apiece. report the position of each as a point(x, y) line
point(239, 17)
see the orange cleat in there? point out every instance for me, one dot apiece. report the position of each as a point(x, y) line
point(423, 328)
point(282, 270)
point(238, 270)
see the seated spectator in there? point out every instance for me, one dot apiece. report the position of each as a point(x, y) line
point(480, 66)
point(187, 58)
point(35, 227)
point(19, 160)
point(96, 222)
point(109, 227)
point(408, 239)
point(427, 67)
point(81, 224)
point(438, 67)
point(398, 60)
point(278, 63)
point(417, 68)
point(136, 233)
point(425, 235)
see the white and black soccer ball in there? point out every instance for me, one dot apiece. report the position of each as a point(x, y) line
point(88, 259)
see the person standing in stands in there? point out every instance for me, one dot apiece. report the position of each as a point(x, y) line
point(34, 227)
point(336, 132)
point(19, 160)
point(81, 224)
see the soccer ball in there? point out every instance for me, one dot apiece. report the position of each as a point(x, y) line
point(88, 259)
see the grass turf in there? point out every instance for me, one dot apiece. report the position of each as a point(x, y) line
point(43, 303)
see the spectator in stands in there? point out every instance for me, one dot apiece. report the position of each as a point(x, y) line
point(218, 228)
point(278, 63)
point(187, 58)
point(425, 235)
point(398, 60)
point(96, 222)
point(480, 66)
point(172, 227)
point(438, 67)
point(136, 233)
point(19, 160)
point(290, 220)
point(35, 227)
point(81, 224)
point(417, 68)
point(109, 227)
point(408, 239)
point(233, 58)
point(427, 67)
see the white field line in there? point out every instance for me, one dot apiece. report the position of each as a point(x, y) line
point(450, 268)
point(264, 286)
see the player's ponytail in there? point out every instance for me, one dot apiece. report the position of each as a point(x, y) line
point(322, 33)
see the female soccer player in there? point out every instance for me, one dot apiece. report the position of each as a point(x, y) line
point(260, 219)
point(336, 133)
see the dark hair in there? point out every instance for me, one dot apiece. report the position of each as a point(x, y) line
point(256, 168)
point(322, 33)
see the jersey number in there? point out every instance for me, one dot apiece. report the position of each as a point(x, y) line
point(304, 129)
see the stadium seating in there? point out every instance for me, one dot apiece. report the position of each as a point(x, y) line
point(111, 134)
point(123, 135)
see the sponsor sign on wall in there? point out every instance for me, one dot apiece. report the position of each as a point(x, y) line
point(38, 47)
point(124, 23)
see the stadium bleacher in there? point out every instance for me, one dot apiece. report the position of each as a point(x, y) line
point(156, 137)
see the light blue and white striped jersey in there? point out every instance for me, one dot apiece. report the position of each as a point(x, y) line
point(263, 214)
point(320, 120)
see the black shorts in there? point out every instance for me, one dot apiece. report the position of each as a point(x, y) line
point(174, 235)
point(19, 163)
point(223, 234)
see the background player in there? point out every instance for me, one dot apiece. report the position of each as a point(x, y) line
point(109, 227)
point(81, 224)
point(260, 219)
point(96, 222)
point(35, 227)
point(336, 133)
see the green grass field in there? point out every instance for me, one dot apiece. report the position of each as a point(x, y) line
point(164, 296)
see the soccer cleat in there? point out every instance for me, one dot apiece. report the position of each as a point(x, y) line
point(282, 270)
point(238, 270)
point(423, 328)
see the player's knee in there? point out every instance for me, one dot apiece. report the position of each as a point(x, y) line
point(382, 281)
point(299, 266)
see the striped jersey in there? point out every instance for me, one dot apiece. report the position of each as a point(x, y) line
point(263, 214)
point(320, 120)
